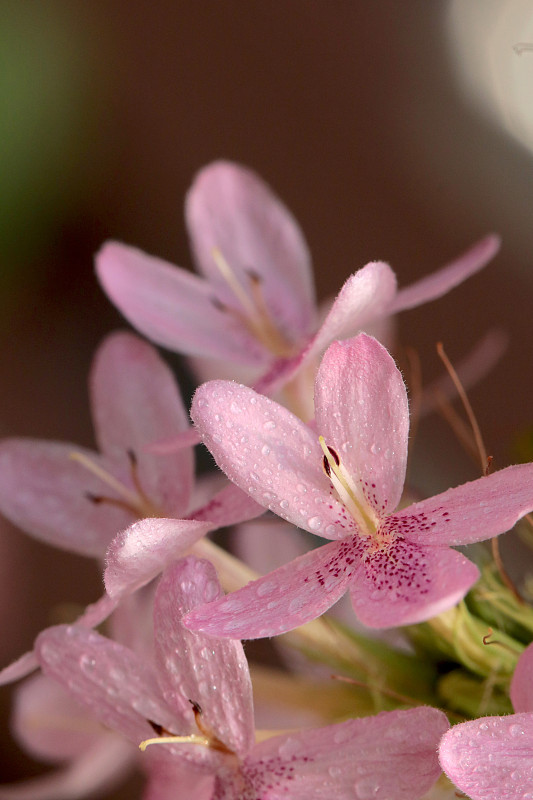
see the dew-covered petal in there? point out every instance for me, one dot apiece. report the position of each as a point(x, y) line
point(173, 307)
point(522, 683)
point(45, 492)
point(230, 208)
point(270, 454)
point(440, 282)
point(268, 543)
point(406, 583)
point(364, 298)
point(135, 401)
point(361, 410)
point(391, 756)
point(193, 667)
point(290, 596)
point(491, 758)
point(472, 512)
point(105, 678)
point(143, 550)
point(93, 772)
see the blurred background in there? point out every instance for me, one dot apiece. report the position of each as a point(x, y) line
point(400, 132)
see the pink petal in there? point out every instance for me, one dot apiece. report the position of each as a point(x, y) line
point(49, 724)
point(210, 672)
point(270, 454)
point(188, 438)
point(229, 506)
point(96, 771)
point(282, 600)
point(172, 307)
point(135, 401)
point(144, 549)
point(268, 543)
point(44, 492)
point(106, 679)
point(522, 683)
point(407, 583)
point(472, 512)
point(230, 208)
point(23, 666)
point(365, 297)
point(361, 410)
point(391, 756)
point(176, 782)
point(440, 282)
point(491, 758)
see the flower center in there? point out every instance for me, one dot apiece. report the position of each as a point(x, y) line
point(253, 312)
point(134, 501)
point(350, 495)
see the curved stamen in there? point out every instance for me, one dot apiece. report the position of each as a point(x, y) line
point(192, 739)
point(255, 316)
point(363, 515)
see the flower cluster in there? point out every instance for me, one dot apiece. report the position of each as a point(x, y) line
point(314, 437)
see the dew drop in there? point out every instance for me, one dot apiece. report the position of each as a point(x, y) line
point(314, 523)
point(284, 504)
point(516, 730)
point(265, 450)
point(268, 426)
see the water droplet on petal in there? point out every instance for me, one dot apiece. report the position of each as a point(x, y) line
point(265, 450)
point(314, 523)
point(269, 425)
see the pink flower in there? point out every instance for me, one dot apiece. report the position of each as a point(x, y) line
point(254, 305)
point(80, 500)
point(198, 700)
point(491, 758)
point(344, 485)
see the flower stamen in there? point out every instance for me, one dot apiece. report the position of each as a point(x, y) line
point(255, 316)
point(348, 493)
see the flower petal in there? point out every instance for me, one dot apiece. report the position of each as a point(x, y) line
point(491, 758)
point(407, 583)
point(440, 282)
point(363, 299)
point(290, 596)
point(105, 678)
point(472, 512)
point(169, 781)
point(95, 771)
point(391, 756)
point(23, 666)
point(229, 506)
point(522, 683)
point(269, 453)
point(135, 401)
point(44, 492)
point(172, 307)
point(196, 668)
point(361, 410)
point(231, 209)
point(144, 549)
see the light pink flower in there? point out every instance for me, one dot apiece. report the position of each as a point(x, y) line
point(254, 305)
point(491, 758)
point(200, 688)
point(82, 503)
point(344, 486)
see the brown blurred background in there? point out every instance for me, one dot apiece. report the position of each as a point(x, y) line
point(351, 110)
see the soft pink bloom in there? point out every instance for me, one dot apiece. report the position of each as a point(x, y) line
point(491, 758)
point(82, 505)
point(397, 566)
point(201, 687)
point(254, 304)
